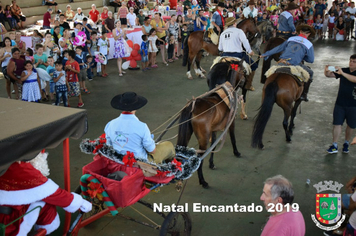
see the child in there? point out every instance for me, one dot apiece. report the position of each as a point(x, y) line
point(90, 65)
point(61, 84)
point(348, 22)
point(29, 55)
point(103, 47)
point(325, 24)
point(80, 58)
point(94, 48)
point(50, 70)
point(144, 53)
point(310, 21)
point(184, 34)
point(12, 37)
point(318, 25)
point(152, 48)
point(331, 24)
point(171, 46)
point(11, 20)
point(40, 57)
point(72, 71)
point(37, 38)
point(31, 84)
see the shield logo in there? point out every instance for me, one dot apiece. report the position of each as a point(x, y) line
point(328, 208)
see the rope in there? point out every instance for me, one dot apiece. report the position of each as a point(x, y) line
point(157, 225)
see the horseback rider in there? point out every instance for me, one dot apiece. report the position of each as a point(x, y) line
point(218, 19)
point(231, 42)
point(286, 26)
point(296, 50)
point(250, 11)
point(128, 133)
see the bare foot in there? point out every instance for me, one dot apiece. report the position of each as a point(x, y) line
point(353, 141)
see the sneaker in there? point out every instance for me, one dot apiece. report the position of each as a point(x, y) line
point(80, 104)
point(86, 91)
point(90, 79)
point(332, 149)
point(345, 148)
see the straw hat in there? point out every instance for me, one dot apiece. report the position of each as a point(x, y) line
point(291, 6)
point(307, 29)
point(230, 21)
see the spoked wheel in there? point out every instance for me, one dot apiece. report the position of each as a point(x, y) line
point(177, 224)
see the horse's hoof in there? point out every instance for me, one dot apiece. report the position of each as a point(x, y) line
point(237, 154)
point(205, 185)
point(190, 78)
point(261, 146)
point(243, 116)
point(213, 167)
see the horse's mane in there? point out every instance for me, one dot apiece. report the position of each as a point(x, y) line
point(222, 72)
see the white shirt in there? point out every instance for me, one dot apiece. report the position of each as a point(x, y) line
point(128, 133)
point(103, 44)
point(131, 18)
point(232, 39)
point(247, 12)
point(352, 11)
point(61, 80)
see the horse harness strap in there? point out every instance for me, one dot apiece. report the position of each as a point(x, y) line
point(225, 91)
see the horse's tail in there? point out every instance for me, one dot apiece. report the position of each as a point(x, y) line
point(185, 51)
point(264, 114)
point(185, 129)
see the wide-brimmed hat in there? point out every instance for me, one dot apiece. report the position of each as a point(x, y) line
point(128, 101)
point(251, 2)
point(221, 4)
point(230, 21)
point(291, 6)
point(307, 29)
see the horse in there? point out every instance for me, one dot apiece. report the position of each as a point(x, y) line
point(209, 114)
point(284, 90)
point(195, 42)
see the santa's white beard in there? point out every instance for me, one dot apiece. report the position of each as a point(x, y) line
point(40, 163)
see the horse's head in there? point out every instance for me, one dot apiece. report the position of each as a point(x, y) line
point(266, 29)
point(250, 28)
point(236, 73)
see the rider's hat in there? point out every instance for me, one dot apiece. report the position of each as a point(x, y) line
point(221, 4)
point(291, 6)
point(128, 101)
point(230, 21)
point(307, 29)
point(251, 2)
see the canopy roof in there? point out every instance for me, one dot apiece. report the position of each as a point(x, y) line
point(27, 128)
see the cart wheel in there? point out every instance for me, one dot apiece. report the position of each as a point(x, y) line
point(177, 224)
point(97, 205)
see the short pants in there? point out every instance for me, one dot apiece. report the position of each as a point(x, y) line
point(82, 75)
point(341, 114)
point(52, 86)
point(144, 58)
point(74, 89)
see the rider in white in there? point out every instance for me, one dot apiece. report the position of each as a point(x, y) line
point(250, 11)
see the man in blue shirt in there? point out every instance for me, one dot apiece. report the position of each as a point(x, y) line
point(296, 50)
point(200, 21)
point(128, 133)
point(286, 26)
point(218, 19)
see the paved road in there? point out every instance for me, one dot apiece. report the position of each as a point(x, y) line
point(236, 180)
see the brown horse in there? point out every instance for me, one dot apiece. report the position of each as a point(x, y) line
point(283, 90)
point(207, 115)
point(195, 43)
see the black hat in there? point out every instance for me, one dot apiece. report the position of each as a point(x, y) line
point(221, 4)
point(128, 101)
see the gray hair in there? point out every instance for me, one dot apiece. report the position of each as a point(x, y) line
point(281, 187)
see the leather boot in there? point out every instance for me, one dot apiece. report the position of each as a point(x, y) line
point(304, 96)
point(249, 80)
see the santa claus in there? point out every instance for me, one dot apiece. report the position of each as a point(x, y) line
point(23, 187)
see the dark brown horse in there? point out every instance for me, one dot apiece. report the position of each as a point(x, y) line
point(207, 115)
point(283, 90)
point(195, 43)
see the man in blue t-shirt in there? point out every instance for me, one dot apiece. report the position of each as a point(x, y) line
point(200, 21)
point(345, 105)
point(319, 9)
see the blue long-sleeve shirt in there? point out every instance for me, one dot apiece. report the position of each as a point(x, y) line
point(285, 22)
point(295, 49)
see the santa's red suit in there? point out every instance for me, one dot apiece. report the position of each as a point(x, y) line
point(22, 188)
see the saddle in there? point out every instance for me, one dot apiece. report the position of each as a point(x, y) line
point(211, 37)
point(297, 72)
point(226, 90)
point(230, 59)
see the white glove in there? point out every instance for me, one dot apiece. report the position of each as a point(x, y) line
point(86, 206)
